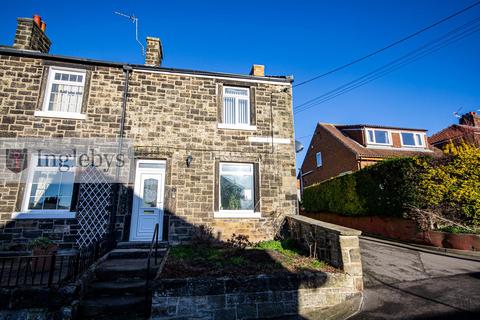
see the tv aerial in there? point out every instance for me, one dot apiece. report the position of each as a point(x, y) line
point(456, 113)
point(135, 21)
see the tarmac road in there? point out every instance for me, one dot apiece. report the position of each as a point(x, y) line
point(408, 283)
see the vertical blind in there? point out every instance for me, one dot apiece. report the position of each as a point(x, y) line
point(236, 106)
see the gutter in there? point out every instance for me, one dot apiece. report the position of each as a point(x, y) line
point(40, 55)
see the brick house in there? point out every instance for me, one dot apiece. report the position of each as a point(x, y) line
point(208, 148)
point(339, 149)
point(467, 130)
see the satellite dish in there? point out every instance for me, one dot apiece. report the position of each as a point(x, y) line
point(298, 146)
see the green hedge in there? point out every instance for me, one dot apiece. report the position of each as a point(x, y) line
point(382, 189)
point(448, 186)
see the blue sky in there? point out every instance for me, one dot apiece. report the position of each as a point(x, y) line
point(299, 38)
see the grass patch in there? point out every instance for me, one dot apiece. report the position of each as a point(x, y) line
point(265, 257)
point(458, 230)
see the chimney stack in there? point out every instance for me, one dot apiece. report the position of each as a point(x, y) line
point(30, 35)
point(154, 53)
point(471, 119)
point(258, 70)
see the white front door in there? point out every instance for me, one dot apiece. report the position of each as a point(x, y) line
point(147, 208)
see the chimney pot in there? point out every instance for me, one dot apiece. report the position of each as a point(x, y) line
point(257, 70)
point(43, 26)
point(37, 19)
point(154, 52)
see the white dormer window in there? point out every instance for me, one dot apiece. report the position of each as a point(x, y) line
point(64, 93)
point(411, 139)
point(376, 136)
point(236, 108)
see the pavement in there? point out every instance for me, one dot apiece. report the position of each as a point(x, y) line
point(406, 282)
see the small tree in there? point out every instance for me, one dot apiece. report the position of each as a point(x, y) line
point(451, 185)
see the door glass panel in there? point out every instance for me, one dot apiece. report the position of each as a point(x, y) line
point(150, 188)
point(151, 165)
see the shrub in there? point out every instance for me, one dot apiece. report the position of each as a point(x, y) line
point(452, 184)
point(448, 187)
point(203, 236)
point(383, 188)
point(42, 243)
point(239, 241)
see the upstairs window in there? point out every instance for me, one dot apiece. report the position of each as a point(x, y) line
point(375, 136)
point(319, 159)
point(410, 139)
point(236, 106)
point(64, 91)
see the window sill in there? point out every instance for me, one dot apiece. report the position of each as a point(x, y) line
point(62, 115)
point(236, 127)
point(44, 215)
point(237, 214)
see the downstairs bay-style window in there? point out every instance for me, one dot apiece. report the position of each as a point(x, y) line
point(64, 93)
point(236, 108)
point(49, 188)
point(236, 187)
point(410, 139)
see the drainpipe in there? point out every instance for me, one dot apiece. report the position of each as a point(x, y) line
point(126, 69)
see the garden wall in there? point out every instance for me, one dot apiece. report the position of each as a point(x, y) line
point(401, 229)
point(36, 303)
point(284, 295)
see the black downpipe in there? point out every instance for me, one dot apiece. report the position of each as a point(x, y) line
point(117, 188)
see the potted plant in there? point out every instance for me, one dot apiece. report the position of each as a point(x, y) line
point(43, 248)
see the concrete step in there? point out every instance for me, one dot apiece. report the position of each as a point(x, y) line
point(140, 244)
point(124, 269)
point(129, 253)
point(101, 307)
point(120, 287)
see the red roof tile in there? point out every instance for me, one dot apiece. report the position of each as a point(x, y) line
point(453, 132)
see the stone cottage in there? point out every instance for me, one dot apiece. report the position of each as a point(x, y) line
point(208, 148)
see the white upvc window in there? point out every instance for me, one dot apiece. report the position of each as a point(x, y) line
point(318, 157)
point(64, 93)
point(412, 139)
point(377, 136)
point(236, 190)
point(49, 188)
point(236, 106)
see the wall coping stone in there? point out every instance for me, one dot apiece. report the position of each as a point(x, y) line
point(344, 231)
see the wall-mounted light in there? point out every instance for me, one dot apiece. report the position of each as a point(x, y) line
point(189, 160)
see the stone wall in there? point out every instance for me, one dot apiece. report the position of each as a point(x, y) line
point(310, 295)
point(169, 115)
point(37, 303)
point(337, 245)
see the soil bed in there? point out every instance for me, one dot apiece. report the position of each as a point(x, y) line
point(268, 257)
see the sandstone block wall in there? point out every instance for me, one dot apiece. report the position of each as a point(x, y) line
point(168, 116)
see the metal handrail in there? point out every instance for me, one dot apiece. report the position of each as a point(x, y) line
point(153, 244)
